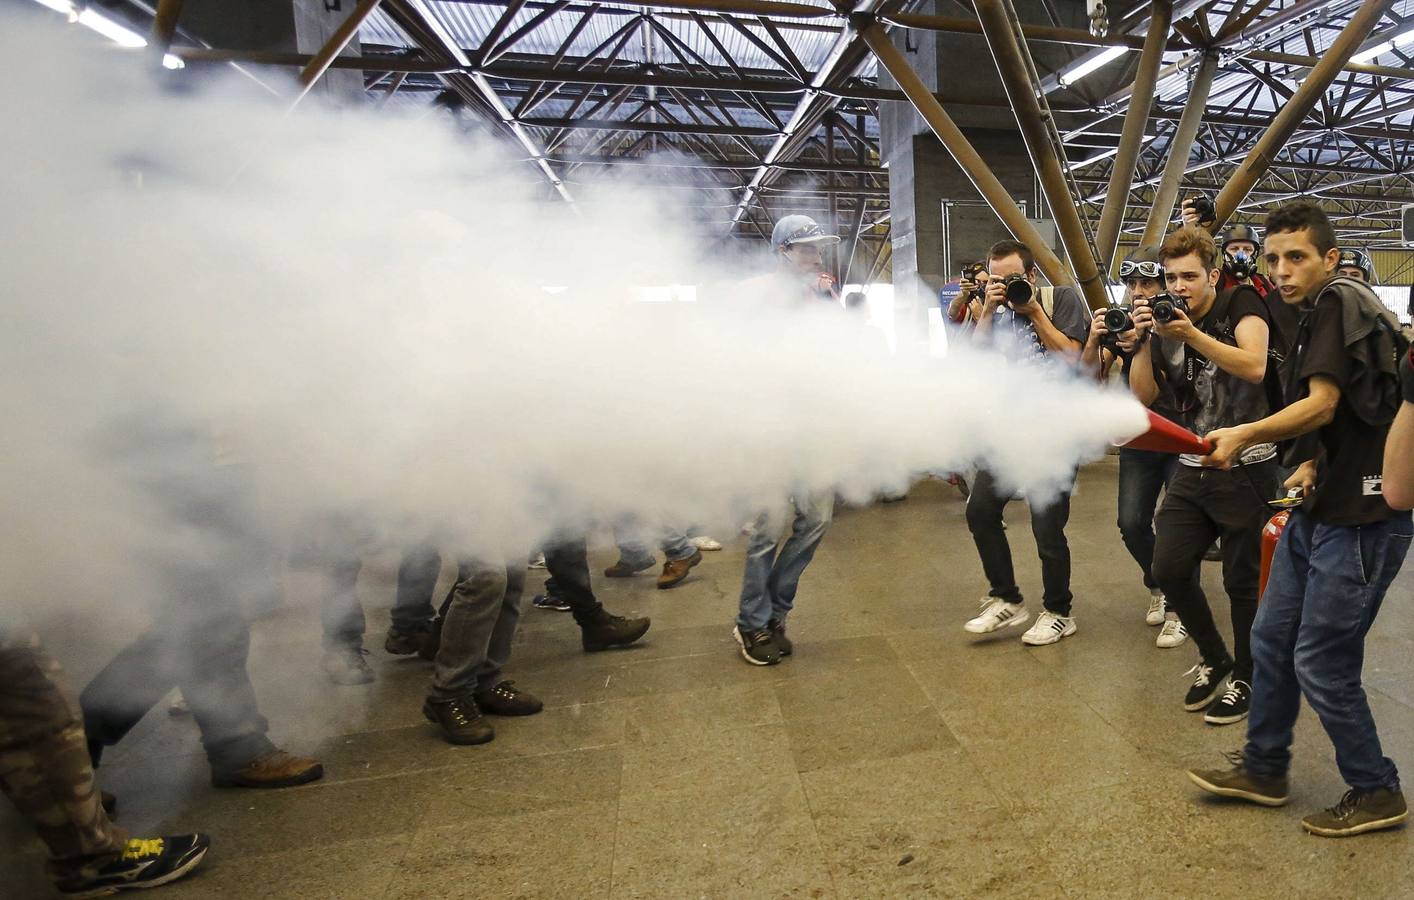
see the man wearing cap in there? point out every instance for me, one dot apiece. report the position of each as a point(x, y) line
point(773, 573)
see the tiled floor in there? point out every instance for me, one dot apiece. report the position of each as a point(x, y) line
point(893, 755)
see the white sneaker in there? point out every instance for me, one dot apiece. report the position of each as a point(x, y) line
point(1155, 615)
point(703, 542)
point(997, 614)
point(1171, 635)
point(1048, 629)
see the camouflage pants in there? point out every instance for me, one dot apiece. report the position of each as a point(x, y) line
point(44, 766)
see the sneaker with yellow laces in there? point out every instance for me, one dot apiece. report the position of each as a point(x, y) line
point(144, 863)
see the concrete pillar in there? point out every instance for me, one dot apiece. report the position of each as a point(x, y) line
point(939, 219)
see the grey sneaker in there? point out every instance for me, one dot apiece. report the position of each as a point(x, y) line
point(1359, 812)
point(346, 665)
point(1240, 784)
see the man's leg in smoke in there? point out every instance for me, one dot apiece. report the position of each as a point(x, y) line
point(45, 771)
point(413, 629)
point(681, 555)
point(496, 695)
point(634, 555)
point(340, 613)
point(812, 519)
point(754, 605)
point(568, 564)
point(984, 520)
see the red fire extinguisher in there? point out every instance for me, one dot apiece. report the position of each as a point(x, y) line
point(1271, 534)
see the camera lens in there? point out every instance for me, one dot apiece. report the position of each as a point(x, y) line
point(1117, 320)
point(1018, 290)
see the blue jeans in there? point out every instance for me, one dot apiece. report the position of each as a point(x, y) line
point(1142, 477)
point(1326, 586)
point(771, 579)
point(634, 549)
point(341, 613)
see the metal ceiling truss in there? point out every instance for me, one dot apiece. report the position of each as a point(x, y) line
point(767, 107)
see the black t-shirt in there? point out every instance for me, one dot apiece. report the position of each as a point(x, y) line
point(1350, 477)
point(1208, 398)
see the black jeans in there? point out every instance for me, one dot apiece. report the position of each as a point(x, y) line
point(1142, 476)
point(1201, 505)
point(984, 520)
point(567, 561)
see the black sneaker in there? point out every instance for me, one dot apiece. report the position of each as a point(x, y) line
point(549, 601)
point(505, 699)
point(406, 643)
point(461, 720)
point(144, 863)
point(601, 631)
point(777, 627)
point(1232, 705)
point(758, 647)
point(1359, 812)
point(1209, 682)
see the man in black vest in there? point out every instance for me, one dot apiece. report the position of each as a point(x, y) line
point(1209, 349)
point(1342, 547)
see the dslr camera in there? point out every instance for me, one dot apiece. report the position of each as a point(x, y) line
point(1203, 206)
point(1166, 305)
point(1018, 290)
point(1118, 320)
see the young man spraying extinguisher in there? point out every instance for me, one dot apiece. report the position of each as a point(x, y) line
point(1341, 548)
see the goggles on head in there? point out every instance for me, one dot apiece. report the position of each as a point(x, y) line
point(1142, 269)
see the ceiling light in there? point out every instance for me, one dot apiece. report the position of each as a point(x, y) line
point(116, 33)
point(1086, 66)
point(1383, 47)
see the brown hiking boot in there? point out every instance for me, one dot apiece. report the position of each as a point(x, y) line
point(1359, 812)
point(1240, 784)
point(275, 769)
point(675, 570)
point(461, 720)
point(625, 569)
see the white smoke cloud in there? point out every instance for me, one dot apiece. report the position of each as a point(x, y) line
point(351, 307)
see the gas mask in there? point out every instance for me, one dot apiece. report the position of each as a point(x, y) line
point(1241, 265)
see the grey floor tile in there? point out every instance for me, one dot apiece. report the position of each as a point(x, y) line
point(714, 843)
point(563, 852)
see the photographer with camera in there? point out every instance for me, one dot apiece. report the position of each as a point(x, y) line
point(966, 308)
point(1043, 320)
point(1046, 322)
point(1209, 348)
point(1142, 473)
point(1347, 382)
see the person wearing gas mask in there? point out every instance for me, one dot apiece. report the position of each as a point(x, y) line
point(1342, 546)
point(1240, 246)
point(1042, 324)
point(1356, 264)
point(1209, 348)
point(1142, 473)
point(774, 568)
